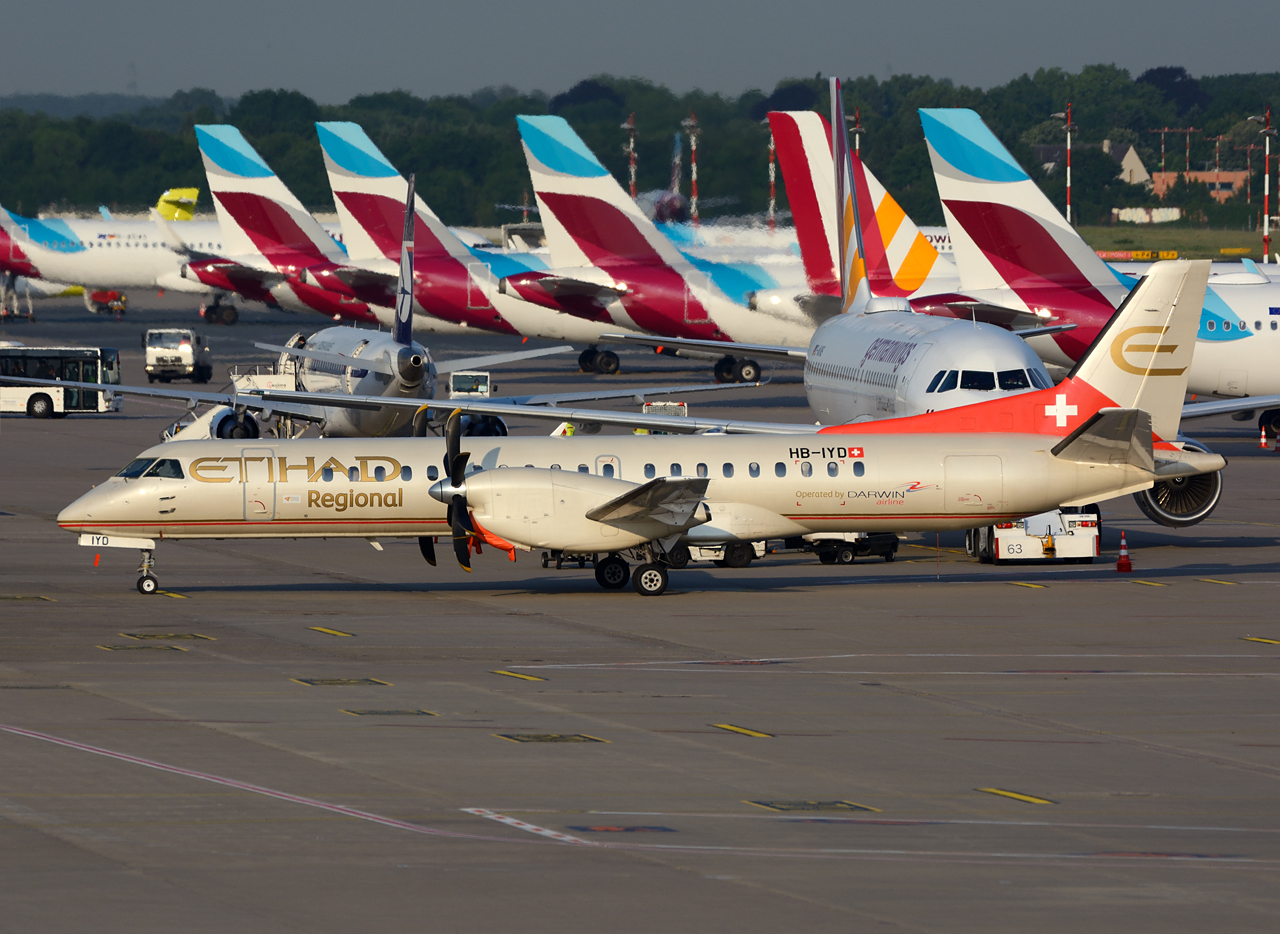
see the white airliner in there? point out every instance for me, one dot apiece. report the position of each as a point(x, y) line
point(1107, 430)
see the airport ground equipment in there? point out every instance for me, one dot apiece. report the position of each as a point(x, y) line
point(176, 353)
point(1070, 535)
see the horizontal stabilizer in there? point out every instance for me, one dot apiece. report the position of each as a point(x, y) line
point(1111, 436)
point(669, 500)
point(496, 359)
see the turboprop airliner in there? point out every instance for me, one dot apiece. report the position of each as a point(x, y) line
point(1107, 430)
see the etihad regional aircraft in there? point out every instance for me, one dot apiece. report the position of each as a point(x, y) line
point(1107, 430)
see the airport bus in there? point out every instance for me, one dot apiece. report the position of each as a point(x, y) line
point(77, 364)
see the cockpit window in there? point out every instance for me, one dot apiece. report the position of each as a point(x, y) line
point(136, 468)
point(981, 380)
point(167, 468)
point(933, 383)
point(1040, 379)
point(1013, 379)
point(950, 382)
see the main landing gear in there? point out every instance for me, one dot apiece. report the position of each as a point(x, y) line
point(650, 579)
point(737, 370)
point(147, 583)
point(594, 360)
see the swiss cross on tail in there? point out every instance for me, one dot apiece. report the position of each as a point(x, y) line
point(403, 331)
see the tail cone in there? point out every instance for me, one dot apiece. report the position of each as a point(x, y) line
point(1123, 564)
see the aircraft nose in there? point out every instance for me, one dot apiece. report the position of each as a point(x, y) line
point(79, 513)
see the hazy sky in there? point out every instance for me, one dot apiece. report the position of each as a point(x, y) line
point(334, 50)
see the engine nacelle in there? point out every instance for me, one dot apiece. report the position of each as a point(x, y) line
point(537, 508)
point(220, 421)
point(1180, 502)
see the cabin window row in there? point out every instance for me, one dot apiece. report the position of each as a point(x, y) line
point(1226, 325)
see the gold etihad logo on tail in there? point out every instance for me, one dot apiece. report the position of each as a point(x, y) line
point(1120, 347)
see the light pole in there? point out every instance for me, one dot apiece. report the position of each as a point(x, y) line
point(1068, 126)
point(1267, 132)
point(857, 129)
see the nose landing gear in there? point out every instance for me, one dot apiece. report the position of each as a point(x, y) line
point(147, 583)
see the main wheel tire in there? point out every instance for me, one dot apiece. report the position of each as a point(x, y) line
point(607, 362)
point(986, 538)
point(739, 554)
point(612, 573)
point(148, 584)
point(649, 580)
point(827, 556)
point(230, 315)
point(724, 369)
point(40, 406)
point(891, 555)
point(587, 360)
point(747, 371)
point(679, 557)
point(845, 554)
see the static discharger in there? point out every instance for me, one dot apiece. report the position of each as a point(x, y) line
point(516, 674)
point(741, 729)
point(340, 682)
point(812, 806)
point(1015, 795)
point(142, 648)
point(391, 713)
point(550, 738)
point(167, 635)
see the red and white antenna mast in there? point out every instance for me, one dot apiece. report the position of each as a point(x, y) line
point(630, 150)
point(692, 126)
point(1267, 131)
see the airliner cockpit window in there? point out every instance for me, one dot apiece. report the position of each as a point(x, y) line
point(1040, 379)
point(980, 380)
point(950, 382)
point(933, 383)
point(168, 468)
point(136, 468)
point(1013, 379)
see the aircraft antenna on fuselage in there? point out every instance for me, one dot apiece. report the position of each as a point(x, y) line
point(402, 333)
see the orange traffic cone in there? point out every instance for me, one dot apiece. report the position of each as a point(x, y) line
point(1262, 442)
point(1123, 564)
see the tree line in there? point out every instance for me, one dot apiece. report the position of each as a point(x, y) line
point(469, 163)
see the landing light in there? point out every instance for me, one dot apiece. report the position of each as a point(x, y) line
point(1043, 313)
point(775, 300)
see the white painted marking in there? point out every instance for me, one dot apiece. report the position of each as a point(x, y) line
point(527, 827)
point(1061, 410)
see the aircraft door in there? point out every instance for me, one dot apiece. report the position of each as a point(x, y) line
point(259, 473)
point(972, 483)
point(607, 465)
point(477, 275)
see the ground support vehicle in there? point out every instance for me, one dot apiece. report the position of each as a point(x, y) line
point(74, 364)
point(1071, 535)
point(176, 353)
point(840, 547)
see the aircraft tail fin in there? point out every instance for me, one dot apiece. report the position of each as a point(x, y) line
point(899, 257)
point(1005, 232)
point(589, 218)
point(370, 195)
point(1141, 358)
point(803, 141)
point(178, 204)
point(853, 267)
point(257, 212)
point(402, 330)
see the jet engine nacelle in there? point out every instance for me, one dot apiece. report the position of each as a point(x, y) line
point(1182, 501)
point(537, 508)
point(220, 421)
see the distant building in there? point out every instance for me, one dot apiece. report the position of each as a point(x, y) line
point(1131, 169)
point(1222, 185)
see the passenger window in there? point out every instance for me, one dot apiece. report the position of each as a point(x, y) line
point(1226, 325)
point(933, 383)
point(606, 470)
point(136, 468)
point(1210, 325)
point(1273, 325)
point(676, 471)
point(1257, 325)
point(727, 470)
point(353, 474)
point(583, 468)
point(555, 466)
point(806, 469)
point(650, 471)
point(433, 473)
point(1014, 379)
point(833, 469)
point(406, 474)
point(980, 380)
point(702, 470)
point(753, 469)
point(859, 468)
point(380, 473)
point(779, 469)
point(950, 382)
point(327, 474)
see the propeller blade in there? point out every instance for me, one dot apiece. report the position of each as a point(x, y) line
point(453, 439)
point(461, 532)
point(427, 545)
point(457, 470)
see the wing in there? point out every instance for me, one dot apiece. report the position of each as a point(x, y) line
point(767, 351)
point(496, 359)
point(191, 397)
point(669, 500)
point(1227, 406)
